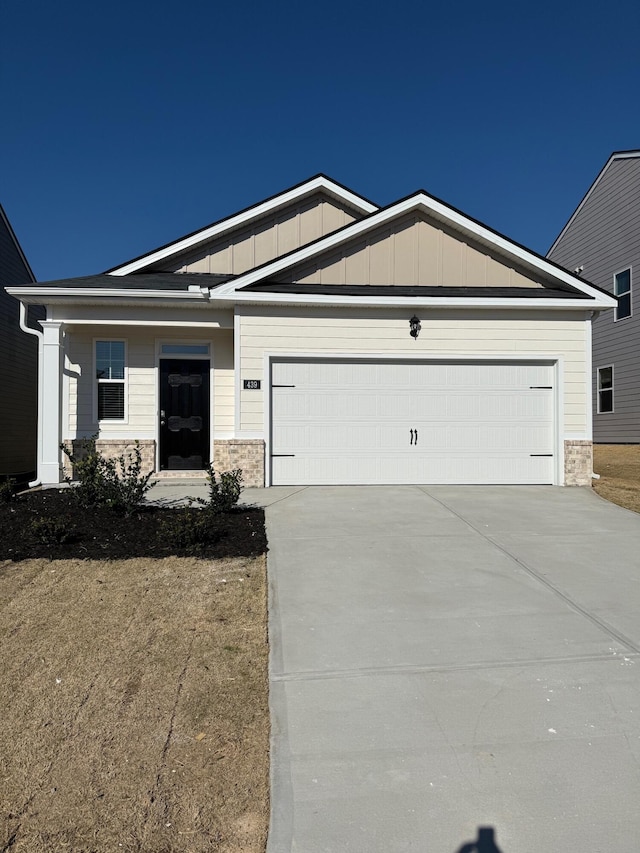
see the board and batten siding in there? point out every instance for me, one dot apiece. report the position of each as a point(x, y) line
point(414, 251)
point(604, 239)
point(386, 332)
point(269, 238)
point(141, 376)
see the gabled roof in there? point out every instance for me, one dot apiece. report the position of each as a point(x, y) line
point(412, 291)
point(298, 192)
point(617, 155)
point(166, 287)
point(14, 240)
point(438, 210)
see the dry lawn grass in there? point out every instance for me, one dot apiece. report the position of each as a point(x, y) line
point(619, 469)
point(134, 706)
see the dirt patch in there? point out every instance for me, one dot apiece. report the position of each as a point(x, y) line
point(134, 705)
point(50, 523)
point(619, 469)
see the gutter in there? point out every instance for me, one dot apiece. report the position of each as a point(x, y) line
point(40, 337)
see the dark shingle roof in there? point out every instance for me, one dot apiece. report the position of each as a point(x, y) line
point(143, 281)
point(412, 292)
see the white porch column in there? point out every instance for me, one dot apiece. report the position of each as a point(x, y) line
point(51, 378)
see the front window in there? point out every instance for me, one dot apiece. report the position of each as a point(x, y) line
point(110, 374)
point(605, 390)
point(622, 289)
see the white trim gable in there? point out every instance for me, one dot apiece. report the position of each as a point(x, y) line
point(617, 155)
point(319, 183)
point(420, 202)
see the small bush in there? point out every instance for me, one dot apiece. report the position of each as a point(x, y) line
point(116, 483)
point(224, 493)
point(49, 532)
point(190, 530)
point(7, 490)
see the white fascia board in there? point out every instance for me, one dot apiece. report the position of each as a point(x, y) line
point(233, 222)
point(429, 205)
point(98, 292)
point(621, 155)
point(414, 302)
point(168, 324)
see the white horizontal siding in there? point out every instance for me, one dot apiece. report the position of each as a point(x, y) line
point(223, 385)
point(277, 330)
point(142, 379)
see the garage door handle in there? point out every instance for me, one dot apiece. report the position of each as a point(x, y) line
point(411, 431)
point(416, 437)
point(541, 387)
point(541, 454)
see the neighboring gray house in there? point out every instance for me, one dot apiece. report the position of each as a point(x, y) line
point(601, 242)
point(19, 363)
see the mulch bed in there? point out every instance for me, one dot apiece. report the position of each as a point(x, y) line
point(51, 523)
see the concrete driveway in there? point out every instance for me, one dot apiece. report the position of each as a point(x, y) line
point(448, 658)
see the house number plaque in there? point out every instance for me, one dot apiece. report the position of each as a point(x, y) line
point(251, 384)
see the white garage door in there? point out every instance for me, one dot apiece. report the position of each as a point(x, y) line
point(352, 422)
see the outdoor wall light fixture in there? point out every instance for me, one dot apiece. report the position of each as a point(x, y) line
point(414, 327)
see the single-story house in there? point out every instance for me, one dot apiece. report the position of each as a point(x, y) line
point(316, 338)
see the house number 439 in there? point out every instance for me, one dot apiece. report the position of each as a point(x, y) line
point(251, 384)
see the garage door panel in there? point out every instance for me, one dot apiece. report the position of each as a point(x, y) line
point(412, 422)
point(461, 469)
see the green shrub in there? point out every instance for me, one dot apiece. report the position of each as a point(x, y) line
point(224, 493)
point(116, 483)
point(49, 532)
point(7, 490)
point(190, 530)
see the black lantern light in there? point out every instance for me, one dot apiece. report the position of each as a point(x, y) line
point(414, 327)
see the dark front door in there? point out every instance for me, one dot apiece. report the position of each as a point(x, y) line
point(184, 414)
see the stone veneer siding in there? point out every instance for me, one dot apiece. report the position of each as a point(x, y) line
point(244, 453)
point(578, 463)
point(248, 454)
point(111, 449)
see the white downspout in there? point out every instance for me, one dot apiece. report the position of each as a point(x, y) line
point(40, 337)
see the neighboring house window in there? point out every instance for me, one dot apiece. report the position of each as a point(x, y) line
point(110, 373)
point(605, 389)
point(622, 289)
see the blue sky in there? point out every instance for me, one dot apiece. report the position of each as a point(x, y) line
point(127, 125)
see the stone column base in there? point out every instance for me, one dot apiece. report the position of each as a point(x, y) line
point(244, 453)
point(578, 463)
point(111, 449)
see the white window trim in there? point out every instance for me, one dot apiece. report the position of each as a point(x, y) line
point(599, 389)
point(184, 342)
point(97, 381)
point(617, 319)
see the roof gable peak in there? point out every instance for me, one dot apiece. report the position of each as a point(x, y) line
point(629, 154)
point(420, 201)
point(315, 184)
